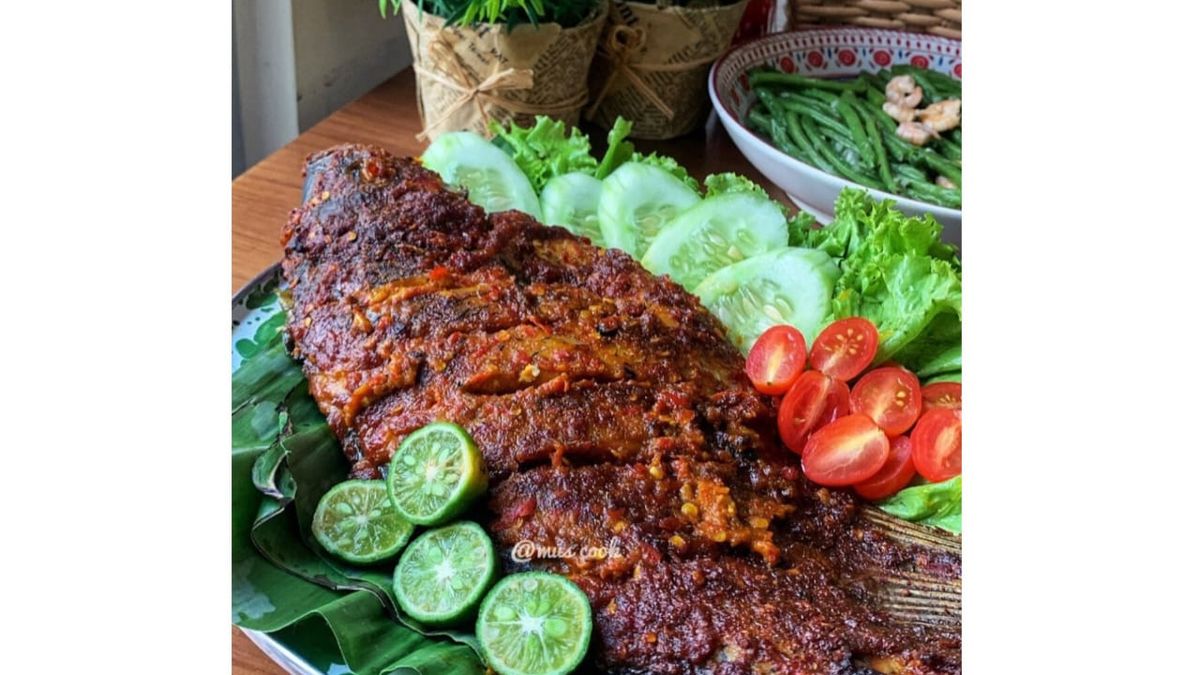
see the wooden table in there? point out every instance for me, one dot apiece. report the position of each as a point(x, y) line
point(387, 116)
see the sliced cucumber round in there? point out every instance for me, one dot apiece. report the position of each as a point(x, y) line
point(356, 522)
point(718, 231)
point(492, 179)
point(444, 573)
point(636, 202)
point(571, 200)
point(534, 623)
point(791, 285)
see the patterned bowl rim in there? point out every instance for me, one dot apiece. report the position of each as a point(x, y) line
point(832, 31)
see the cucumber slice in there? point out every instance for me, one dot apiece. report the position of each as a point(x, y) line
point(636, 202)
point(444, 573)
point(791, 285)
point(492, 179)
point(356, 522)
point(435, 474)
point(718, 231)
point(571, 200)
point(534, 623)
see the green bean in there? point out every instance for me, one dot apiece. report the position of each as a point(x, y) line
point(885, 172)
point(897, 147)
point(797, 135)
point(941, 82)
point(937, 195)
point(950, 149)
point(875, 82)
point(941, 165)
point(827, 97)
point(910, 174)
point(842, 167)
point(819, 116)
point(845, 108)
point(761, 77)
point(778, 128)
point(759, 119)
point(806, 99)
point(956, 135)
point(780, 136)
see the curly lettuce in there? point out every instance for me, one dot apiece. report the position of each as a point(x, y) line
point(896, 272)
point(545, 150)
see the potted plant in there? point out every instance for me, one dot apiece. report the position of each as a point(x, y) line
point(653, 63)
point(479, 61)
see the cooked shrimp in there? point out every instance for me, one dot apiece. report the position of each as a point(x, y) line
point(916, 133)
point(943, 115)
point(903, 90)
point(942, 181)
point(899, 112)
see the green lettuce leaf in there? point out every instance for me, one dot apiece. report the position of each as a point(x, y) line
point(545, 150)
point(896, 272)
point(798, 227)
point(724, 183)
point(619, 150)
point(935, 504)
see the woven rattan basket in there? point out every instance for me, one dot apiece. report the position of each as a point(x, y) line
point(937, 17)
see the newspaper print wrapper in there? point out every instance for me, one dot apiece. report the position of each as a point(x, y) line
point(652, 65)
point(470, 75)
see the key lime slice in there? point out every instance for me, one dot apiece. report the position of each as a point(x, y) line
point(435, 474)
point(356, 522)
point(444, 572)
point(534, 623)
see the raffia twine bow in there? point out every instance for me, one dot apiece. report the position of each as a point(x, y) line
point(620, 47)
point(448, 70)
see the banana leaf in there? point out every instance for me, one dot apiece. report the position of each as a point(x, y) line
point(284, 458)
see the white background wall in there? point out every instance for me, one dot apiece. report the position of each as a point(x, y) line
point(297, 61)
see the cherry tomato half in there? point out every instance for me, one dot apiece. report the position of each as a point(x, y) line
point(895, 474)
point(890, 396)
point(845, 348)
point(776, 359)
point(937, 444)
point(846, 451)
point(943, 395)
point(813, 401)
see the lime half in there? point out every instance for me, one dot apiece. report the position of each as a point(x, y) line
point(435, 474)
point(534, 623)
point(444, 572)
point(356, 522)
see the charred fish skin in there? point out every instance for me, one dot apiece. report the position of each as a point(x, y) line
point(614, 417)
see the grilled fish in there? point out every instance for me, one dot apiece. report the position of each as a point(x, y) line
point(622, 439)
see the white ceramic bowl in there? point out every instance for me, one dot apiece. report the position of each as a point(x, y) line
point(824, 52)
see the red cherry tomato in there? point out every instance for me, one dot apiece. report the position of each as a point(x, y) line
point(813, 401)
point(942, 395)
point(895, 474)
point(937, 444)
point(845, 348)
point(846, 451)
point(776, 359)
point(890, 396)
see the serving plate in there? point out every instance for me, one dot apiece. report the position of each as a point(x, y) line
point(252, 304)
point(830, 53)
